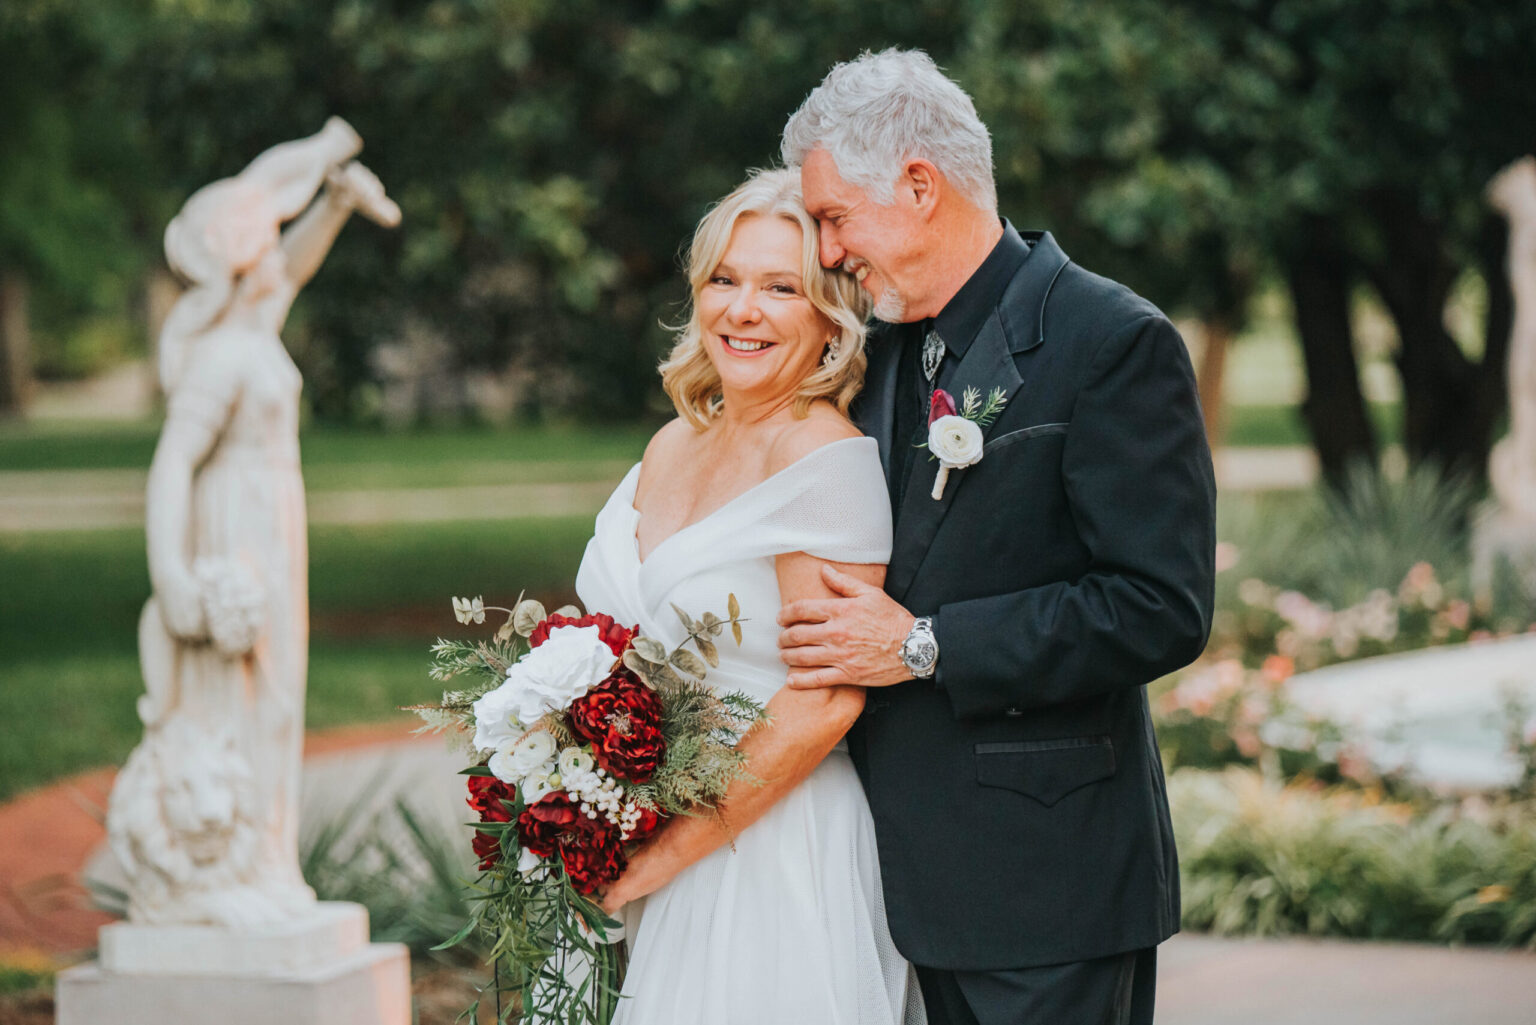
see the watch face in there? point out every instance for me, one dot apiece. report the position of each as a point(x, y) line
point(921, 653)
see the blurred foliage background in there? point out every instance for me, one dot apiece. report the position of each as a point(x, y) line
point(552, 157)
point(1298, 173)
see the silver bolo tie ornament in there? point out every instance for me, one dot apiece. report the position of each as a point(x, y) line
point(933, 354)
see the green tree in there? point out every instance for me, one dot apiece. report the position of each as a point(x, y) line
point(69, 173)
point(1334, 143)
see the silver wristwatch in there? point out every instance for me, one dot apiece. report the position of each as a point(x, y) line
point(920, 651)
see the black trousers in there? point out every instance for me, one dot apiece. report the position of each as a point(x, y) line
point(1115, 990)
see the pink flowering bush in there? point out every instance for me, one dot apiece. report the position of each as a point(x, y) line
point(1229, 707)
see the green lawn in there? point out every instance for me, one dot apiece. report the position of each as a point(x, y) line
point(341, 457)
point(379, 596)
point(1283, 425)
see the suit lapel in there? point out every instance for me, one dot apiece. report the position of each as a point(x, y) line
point(988, 364)
point(877, 402)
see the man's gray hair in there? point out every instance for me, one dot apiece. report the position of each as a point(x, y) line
point(873, 113)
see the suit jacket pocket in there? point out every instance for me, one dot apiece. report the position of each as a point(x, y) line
point(1022, 434)
point(1045, 770)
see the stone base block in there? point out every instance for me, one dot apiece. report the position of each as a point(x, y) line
point(333, 931)
point(372, 986)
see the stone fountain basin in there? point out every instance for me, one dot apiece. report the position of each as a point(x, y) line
point(1438, 715)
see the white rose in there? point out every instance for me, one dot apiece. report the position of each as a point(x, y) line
point(496, 720)
point(515, 759)
point(571, 662)
point(955, 440)
point(576, 762)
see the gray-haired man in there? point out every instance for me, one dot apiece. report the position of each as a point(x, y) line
point(1025, 844)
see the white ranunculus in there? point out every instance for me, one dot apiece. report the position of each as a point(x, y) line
point(515, 759)
point(537, 784)
point(576, 762)
point(571, 662)
point(956, 441)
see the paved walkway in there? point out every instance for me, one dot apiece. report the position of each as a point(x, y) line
point(49, 836)
point(99, 499)
point(1207, 981)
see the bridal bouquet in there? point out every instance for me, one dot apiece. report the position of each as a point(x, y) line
point(585, 736)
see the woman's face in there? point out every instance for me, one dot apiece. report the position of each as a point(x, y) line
point(761, 331)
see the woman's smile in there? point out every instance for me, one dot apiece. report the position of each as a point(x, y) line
point(746, 346)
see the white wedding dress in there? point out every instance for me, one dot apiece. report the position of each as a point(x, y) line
point(788, 926)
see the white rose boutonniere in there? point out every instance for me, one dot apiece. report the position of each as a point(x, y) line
point(954, 436)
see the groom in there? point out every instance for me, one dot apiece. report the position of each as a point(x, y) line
point(1006, 746)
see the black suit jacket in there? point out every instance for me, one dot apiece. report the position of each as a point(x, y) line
point(1019, 802)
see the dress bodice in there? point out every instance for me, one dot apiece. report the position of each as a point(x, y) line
point(832, 504)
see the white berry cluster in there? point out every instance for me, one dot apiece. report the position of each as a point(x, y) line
point(598, 793)
point(632, 812)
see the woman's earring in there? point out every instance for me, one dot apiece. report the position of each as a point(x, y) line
point(833, 348)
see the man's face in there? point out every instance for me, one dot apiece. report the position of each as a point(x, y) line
point(879, 245)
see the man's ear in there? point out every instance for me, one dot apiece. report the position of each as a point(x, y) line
point(922, 181)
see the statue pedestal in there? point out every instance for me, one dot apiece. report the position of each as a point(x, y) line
point(312, 970)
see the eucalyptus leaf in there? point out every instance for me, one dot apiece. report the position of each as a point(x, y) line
point(636, 663)
point(736, 632)
point(650, 649)
point(708, 650)
point(732, 606)
point(528, 615)
point(569, 611)
point(505, 631)
point(688, 622)
point(689, 663)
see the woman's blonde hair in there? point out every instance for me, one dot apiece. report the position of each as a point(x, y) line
point(687, 373)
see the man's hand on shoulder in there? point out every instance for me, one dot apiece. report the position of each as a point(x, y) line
point(854, 638)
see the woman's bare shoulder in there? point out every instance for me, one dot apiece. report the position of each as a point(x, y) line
point(667, 447)
point(673, 438)
point(821, 427)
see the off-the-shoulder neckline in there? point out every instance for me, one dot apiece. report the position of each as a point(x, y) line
point(634, 484)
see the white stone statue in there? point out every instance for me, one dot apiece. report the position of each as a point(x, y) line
point(204, 816)
point(1506, 531)
point(1512, 465)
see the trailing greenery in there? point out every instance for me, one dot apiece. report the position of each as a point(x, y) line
point(1257, 858)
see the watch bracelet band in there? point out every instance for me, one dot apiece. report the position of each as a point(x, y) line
point(922, 630)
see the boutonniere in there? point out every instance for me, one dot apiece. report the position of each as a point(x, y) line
point(954, 436)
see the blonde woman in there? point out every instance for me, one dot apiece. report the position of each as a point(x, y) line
point(773, 913)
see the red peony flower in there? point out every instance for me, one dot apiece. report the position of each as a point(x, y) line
point(615, 636)
point(589, 848)
point(593, 865)
point(621, 719)
point(486, 797)
point(487, 849)
point(486, 794)
point(941, 405)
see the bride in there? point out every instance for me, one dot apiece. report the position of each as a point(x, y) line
point(771, 913)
